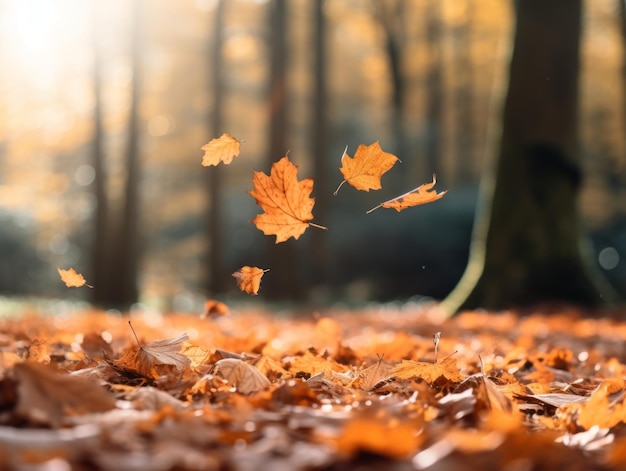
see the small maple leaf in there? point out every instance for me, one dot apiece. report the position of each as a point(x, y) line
point(221, 149)
point(160, 352)
point(364, 170)
point(421, 195)
point(249, 278)
point(285, 200)
point(72, 279)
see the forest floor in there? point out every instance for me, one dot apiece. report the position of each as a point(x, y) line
point(393, 387)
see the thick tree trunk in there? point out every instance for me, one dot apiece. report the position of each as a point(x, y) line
point(319, 139)
point(100, 248)
point(434, 103)
point(215, 275)
point(285, 281)
point(126, 290)
point(526, 247)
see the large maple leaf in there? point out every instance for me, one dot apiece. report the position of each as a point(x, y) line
point(364, 170)
point(286, 201)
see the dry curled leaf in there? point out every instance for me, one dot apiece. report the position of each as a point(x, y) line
point(249, 278)
point(285, 200)
point(221, 149)
point(159, 352)
point(423, 194)
point(240, 375)
point(72, 279)
point(364, 170)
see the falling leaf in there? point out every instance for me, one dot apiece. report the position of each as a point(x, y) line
point(249, 278)
point(242, 376)
point(420, 195)
point(46, 395)
point(364, 170)
point(285, 200)
point(160, 352)
point(72, 279)
point(221, 149)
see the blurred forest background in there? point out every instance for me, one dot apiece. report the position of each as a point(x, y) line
point(104, 106)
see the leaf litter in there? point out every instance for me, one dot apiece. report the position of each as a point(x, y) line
point(337, 390)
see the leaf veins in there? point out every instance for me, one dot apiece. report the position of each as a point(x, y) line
point(364, 170)
point(285, 200)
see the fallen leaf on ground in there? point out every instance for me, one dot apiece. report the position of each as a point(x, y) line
point(249, 278)
point(72, 279)
point(423, 194)
point(159, 352)
point(214, 308)
point(429, 372)
point(285, 200)
point(221, 149)
point(364, 170)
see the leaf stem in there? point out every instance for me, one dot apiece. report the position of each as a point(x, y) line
point(312, 224)
point(135, 334)
point(374, 208)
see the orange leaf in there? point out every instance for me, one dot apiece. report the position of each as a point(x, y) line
point(363, 171)
point(221, 149)
point(420, 195)
point(72, 279)
point(249, 278)
point(285, 200)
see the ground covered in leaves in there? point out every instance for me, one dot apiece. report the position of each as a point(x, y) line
point(397, 387)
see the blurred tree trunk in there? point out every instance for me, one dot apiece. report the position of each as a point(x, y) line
point(526, 247)
point(465, 147)
point(285, 279)
point(215, 274)
point(116, 249)
point(125, 290)
point(434, 87)
point(100, 248)
point(392, 17)
point(319, 141)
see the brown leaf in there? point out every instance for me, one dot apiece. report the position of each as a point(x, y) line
point(221, 149)
point(72, 279)
point(364, 170)
point(285, 200)
point(249, 278)
point(423, 194)
point(45, 395)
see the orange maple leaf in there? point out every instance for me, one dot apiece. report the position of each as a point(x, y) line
point(249, 278)
point(364, 170)
point(285, 200)
point(421, 195)
point(221, 149)
point(72, 279)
